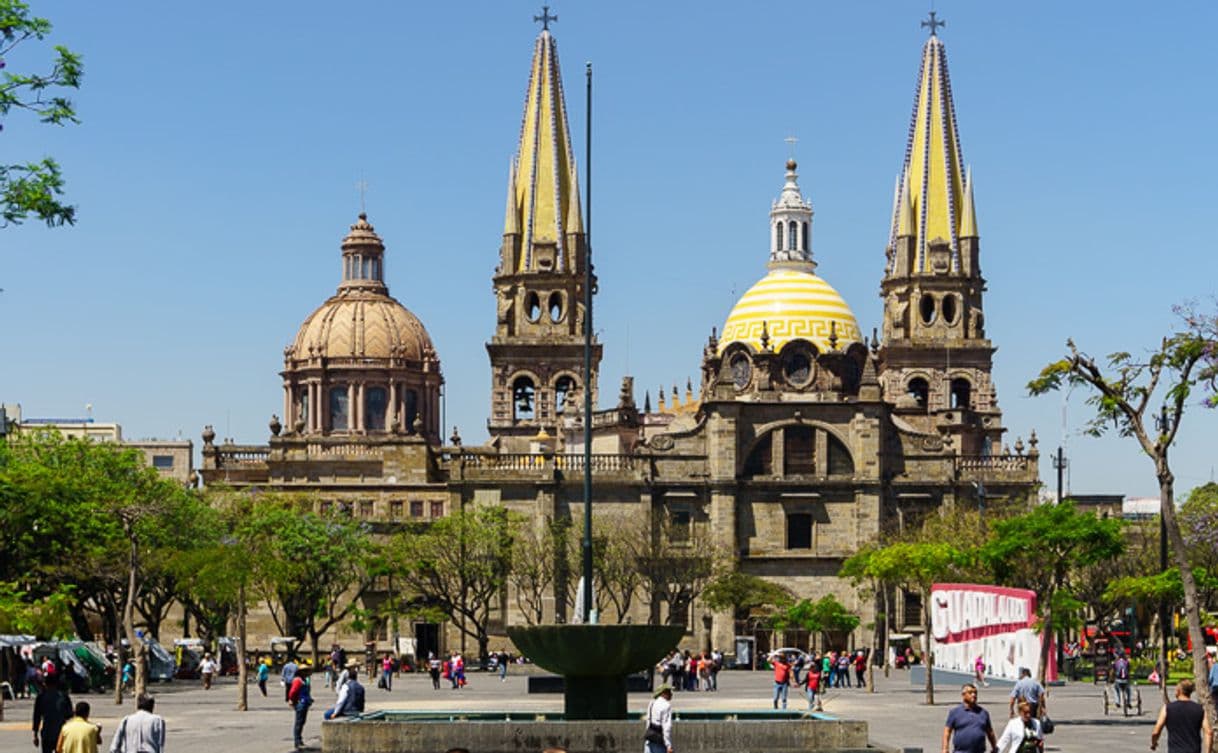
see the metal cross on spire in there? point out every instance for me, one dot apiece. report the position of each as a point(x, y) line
point(791, 142)
point(545, 18)
point(933, 24)
point(362, 185)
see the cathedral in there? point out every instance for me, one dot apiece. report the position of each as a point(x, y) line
point(804, 439)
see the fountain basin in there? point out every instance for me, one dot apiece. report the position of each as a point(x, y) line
point(761, 731)
point(594, 660)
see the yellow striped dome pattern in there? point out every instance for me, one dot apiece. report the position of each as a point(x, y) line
point(791, 305)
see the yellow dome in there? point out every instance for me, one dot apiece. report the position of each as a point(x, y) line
point(791, 304)
point(361, 324)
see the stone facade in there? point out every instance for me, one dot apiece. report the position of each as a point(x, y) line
point(804, 439)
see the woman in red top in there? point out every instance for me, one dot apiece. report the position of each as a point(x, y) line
point(782, 679)
point(812, 684)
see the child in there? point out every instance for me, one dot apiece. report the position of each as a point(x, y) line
point(812, 685)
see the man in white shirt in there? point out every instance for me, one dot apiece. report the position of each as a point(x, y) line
point(659, 714)
point(141, 732)
point(208, 669)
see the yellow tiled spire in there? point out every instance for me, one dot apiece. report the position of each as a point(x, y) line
point(543, 195)
point(935, 205)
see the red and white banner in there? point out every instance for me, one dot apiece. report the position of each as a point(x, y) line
point(998, 624)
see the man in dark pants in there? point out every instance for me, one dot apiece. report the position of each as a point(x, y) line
point(300, 695)
point(1188, 729)
point(52, 708)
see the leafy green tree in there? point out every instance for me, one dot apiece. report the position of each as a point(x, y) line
point(45, 617)
point(826, 615)
point(742, 594)
point(1042, 549)
point(34, 188)
point(1124, 393)
point(310, 569)
point(914, 566)
point(458, 566)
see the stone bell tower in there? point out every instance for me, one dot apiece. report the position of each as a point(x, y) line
point(936, 360)
point(537, 369)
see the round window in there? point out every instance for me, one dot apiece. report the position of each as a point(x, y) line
point(797, 367)
point(950, 309)
point(926, 307)
point(742, 371)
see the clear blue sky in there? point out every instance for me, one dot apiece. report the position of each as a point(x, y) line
point(216, 167)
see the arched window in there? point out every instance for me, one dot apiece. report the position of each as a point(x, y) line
point(302, 405)
point(839, 461)
point(412, 409)
point(563, 388)
point(778, 236)
point(806, 245)
point(798, 450)
point(523, 392)
point(919, 390)
point(532, 305)
point(374, 409)
point(962, 393)
point(793, 233)
point(926, 307)
point(338, 409)
point(555, 306)
point(761, 459)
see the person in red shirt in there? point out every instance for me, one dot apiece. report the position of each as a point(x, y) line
point(812, 684)
point(300, 696)
point(782, 679)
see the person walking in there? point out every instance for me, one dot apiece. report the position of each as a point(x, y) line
point(1023, 733)
point(979, 670)
point(1028, 689)
point(386, 680)
point(208, 668)
point(141, 732)
point(658, 737)
point(300, 695)
point(287, 676)
point(812, 684)
point(52, 707)
point(264, 674)
point(433, 669)
point(503, 665)
point(1120, 681)
point(968, 726)
point(79, 735)
point(782, 679)
point(1188, 728)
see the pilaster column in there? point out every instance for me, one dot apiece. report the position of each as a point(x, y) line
point(359, 408)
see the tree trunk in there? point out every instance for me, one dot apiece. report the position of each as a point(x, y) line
point(1192, 605)
point(242, 668)
point(928, 656)
point(1046, 640)
point(138, 649)
point(313, 640)
point(120, 661)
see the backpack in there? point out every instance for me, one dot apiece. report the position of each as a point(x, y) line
point(1122, 669)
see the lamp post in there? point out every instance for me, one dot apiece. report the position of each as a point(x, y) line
point(587, 543)
point(1164, 425)
point(1059, 465)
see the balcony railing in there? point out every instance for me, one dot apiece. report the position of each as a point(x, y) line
point(518, 461)
point(994, 463)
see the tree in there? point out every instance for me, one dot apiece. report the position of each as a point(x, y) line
point(742, 594)
point(915, 566)
point(533, 573)
point(676, 563)
point(826, 615)
point(1123, 395)
point(34, 188)
point(1042, 548)
point(47, 617)
point(458, 566)
point(310, 569)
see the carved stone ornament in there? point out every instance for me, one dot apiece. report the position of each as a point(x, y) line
point(932, 444)
point(662, 442)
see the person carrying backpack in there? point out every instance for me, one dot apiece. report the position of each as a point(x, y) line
point(1120, 675)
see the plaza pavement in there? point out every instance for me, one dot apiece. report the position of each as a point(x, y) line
point(204, 721)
